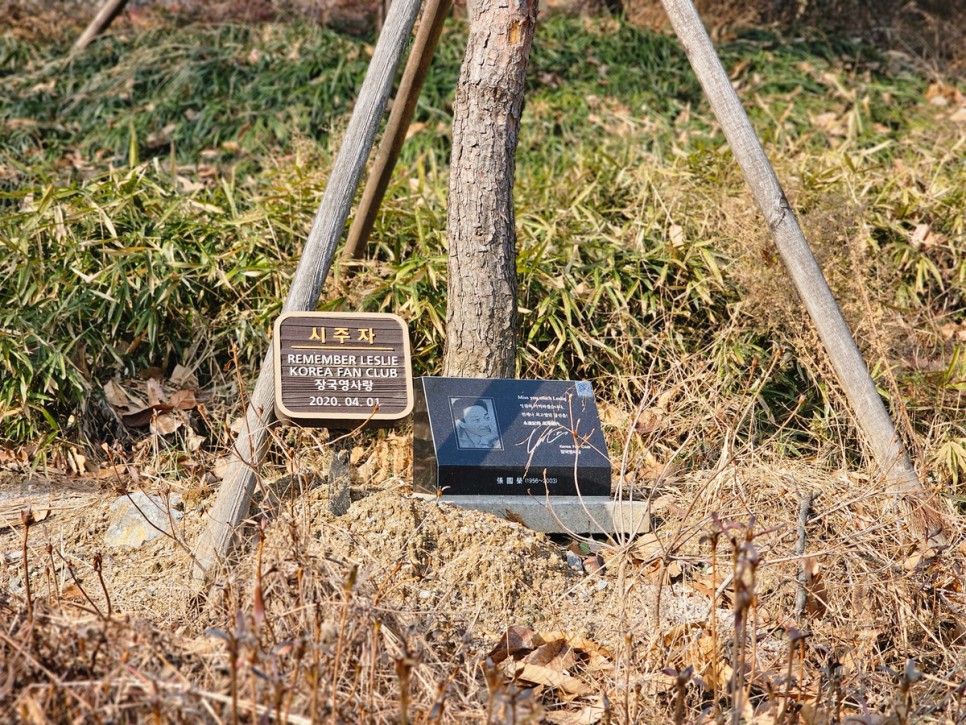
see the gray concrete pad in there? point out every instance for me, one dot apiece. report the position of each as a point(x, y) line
point(560, 514)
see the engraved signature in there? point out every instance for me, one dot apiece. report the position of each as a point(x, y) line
point(546, 435)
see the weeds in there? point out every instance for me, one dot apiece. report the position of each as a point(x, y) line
point(328, 619)
point(158, 191)
point(154, 196)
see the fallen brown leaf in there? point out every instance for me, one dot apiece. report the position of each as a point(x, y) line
point(115, 395)
point(593, 563)
point(550, 678)
point(816, 594)
point(13, 517)
point(647, 548)
point(184, 400)
point(155, 391)
point(594, 657)
point(114, 471)
point(515, 640)
point(182, 377)
point(166, 424)
point(415, 128)
point(513, 517)
point(140, 417)
point(555, 655)
point(589, 715)
point(194, 441)
point(220, 468)
point(152, 373)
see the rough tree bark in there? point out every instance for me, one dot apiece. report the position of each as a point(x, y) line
point(481, 315)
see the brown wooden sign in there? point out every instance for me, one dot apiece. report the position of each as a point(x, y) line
point(340, 369)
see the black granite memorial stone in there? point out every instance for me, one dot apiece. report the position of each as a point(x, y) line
point(478, 436)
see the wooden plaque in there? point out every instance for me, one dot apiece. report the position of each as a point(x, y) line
point(340, 369)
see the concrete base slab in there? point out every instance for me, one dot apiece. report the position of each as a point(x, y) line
point(560, 514)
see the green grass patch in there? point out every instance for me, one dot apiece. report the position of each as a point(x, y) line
point(156, 191)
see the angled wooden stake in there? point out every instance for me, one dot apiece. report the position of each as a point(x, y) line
point(231, 505)
point(430, 27)
point(923, 515)
point(109, 10)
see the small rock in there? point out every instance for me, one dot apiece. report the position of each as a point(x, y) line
point(130, 516)
point(594, 563)
point(601, 585)
point(574, 561)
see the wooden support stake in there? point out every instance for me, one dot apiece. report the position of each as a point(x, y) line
point(105, 16)
point(231, 505)
point(853, 376)
point(430, 27)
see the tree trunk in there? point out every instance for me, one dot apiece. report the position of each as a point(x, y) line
point(481, 315)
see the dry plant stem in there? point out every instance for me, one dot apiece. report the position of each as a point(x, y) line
point(231, 506)
point(346, 596)
point(794, 637)
point(404, 105)
point(252, 667)
point(25, 517)
point(714, 536)
point(681, 682)
point(49, 548)
point(49, 574)
point(493, 683)
point(745, 565)
point(850, 368)
point(404, 666)
point(628, 642)
point(738, 648)
point(258, 605)
point(315, 670)
point(805, 500)
point(376, 630)
point(657, 606)
point(167, 504)
point(80, 588)
point(622, 477)
point(233, 675)
point(98, 568)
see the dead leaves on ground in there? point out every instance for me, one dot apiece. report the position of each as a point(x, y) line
point(19, 516)
point(552, 662)
point(162, 405)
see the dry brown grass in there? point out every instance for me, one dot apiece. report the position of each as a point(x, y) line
point(397, 611)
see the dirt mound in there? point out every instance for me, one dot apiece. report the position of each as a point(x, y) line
point(435, 559)
point(403, 592)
